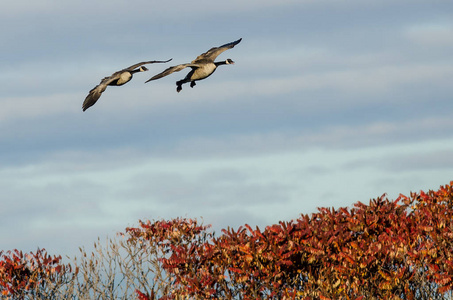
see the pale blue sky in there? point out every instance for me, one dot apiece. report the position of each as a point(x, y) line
point(329, 103)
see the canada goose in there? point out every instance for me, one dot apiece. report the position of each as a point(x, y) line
point(202, 67)
point(116, 79)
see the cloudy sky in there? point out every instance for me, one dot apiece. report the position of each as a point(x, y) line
point(329, 103)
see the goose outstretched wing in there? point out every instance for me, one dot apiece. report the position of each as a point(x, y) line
point(95, 93)
point(144, 63)
point(212, 53)
point(170, 70)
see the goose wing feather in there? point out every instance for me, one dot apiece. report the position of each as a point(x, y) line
point(144, 63)
point(212, 53)
point(95, 93)
point(170, 70)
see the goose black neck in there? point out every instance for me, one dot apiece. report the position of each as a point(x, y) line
point(219, 63)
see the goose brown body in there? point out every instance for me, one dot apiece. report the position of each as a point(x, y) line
point(202, 67)
point(116, 79)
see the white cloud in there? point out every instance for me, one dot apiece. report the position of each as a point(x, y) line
point(367, 81)
point(361, 75)
point(16, 108)
point(328, 137)
point(99, 7)
point(436, 34)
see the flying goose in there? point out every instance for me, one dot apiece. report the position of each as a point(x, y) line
point(202, 67)
point(116, 79)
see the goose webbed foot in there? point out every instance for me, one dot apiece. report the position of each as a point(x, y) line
point(192, 84)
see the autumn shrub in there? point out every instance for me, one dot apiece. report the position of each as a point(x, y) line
point(386, 249)
point(33, 275)
point(116, 269)
point(174, 236)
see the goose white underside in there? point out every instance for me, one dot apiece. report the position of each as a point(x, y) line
point(203, 71)
point(124, 77)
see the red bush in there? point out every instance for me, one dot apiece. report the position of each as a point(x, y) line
point(398, 249)
point(28, 273)
point(401, 249)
